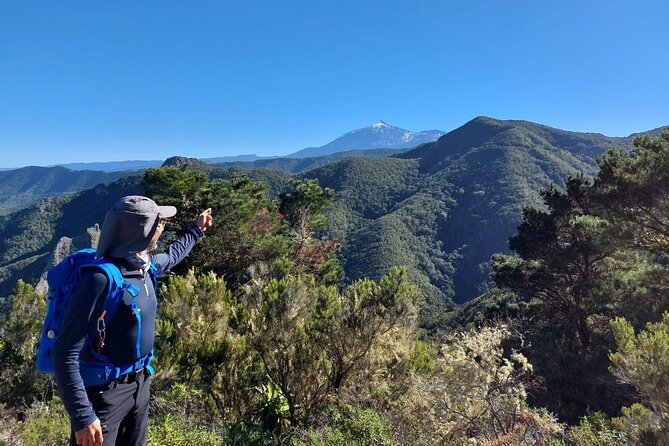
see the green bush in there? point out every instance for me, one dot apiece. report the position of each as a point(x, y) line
point(345, 424)
point(595, 429)
point(642, 426)
point(242, 434)
point(176, 431)
point(20, 382)
point(45, 424)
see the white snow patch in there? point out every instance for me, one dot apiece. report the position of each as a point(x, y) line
point(379, 125)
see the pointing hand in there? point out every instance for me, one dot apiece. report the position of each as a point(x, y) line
point(205, 220)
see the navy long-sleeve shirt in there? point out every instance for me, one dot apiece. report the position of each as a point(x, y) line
point(121, 331)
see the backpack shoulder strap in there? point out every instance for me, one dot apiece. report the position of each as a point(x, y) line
point(117, 287)
point(153, 272)
point(111, 271)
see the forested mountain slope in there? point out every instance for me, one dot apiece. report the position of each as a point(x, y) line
point(445, 207)
point(297, 165)
point(442, 208)
point(21, 187)
point(29, 236)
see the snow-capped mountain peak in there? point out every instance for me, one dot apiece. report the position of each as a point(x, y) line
point(378, 135)
point(378, 125)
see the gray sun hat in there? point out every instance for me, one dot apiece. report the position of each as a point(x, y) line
point(129, 226)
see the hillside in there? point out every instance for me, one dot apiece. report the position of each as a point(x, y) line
point(445, 207)
point(498, 167)
point(114, 166)
point(29, 236)
point(442, 208)
point(21, 187)
point(298, 165)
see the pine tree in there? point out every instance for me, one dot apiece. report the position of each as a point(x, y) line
point(20, 328)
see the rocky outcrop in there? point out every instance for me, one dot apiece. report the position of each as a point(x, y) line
point(65, 247)
point(182, 161)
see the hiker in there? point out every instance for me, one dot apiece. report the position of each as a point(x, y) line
point(116, 410)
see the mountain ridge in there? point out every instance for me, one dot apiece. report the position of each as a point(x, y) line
point(476, 181)
point(20, 187)
point(129, 165)
point(442, 208)
point(298, 165)
point(482, 129)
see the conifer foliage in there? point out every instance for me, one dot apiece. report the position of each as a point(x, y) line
point(259, 317)
point(597, 252)
point(20, 328)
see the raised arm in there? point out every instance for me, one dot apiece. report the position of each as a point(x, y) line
point(180, 248)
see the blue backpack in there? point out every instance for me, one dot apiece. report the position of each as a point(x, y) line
point(62, 279)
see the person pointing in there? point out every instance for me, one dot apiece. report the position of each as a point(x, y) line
point(116, 411)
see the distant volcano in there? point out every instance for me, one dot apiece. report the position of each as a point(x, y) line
point(378, 135)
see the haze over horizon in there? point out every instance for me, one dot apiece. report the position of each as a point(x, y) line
point(83, 82)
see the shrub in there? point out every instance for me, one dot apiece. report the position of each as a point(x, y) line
point(169, 430)
point(595, 429)
point(340, 424)
point(476, 393)
point(45, 424)
point(20, 382)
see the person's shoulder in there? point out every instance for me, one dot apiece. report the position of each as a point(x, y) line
point(94, 278)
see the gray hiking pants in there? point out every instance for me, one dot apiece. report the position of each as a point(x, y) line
point(122, 406)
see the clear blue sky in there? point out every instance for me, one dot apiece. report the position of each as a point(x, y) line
point(116, 80)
